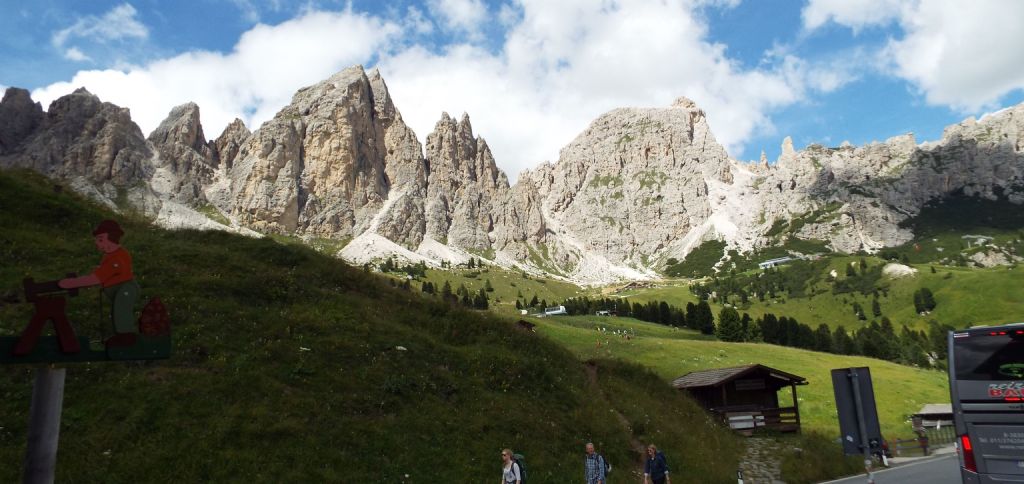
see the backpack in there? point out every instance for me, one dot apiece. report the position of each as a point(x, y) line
point(517, 460)
point(607, 465)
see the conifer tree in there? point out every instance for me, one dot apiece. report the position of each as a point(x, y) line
point(730, 328)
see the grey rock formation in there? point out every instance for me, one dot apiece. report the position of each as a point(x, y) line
point(185, 153)
point(80, 136)
point(230, 142)
point(19, 117)
point(638, 186)
point(464, 185)
point(320, 167)
point(630, 188)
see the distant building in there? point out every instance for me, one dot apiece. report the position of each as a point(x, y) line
point(979, 240)
point(774, 262)
point(934, 415)
point(555, 311)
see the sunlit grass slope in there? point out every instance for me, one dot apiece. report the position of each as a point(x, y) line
point(899, 390)
point(289, 366)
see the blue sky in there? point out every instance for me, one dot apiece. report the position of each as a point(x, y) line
point(532, 74)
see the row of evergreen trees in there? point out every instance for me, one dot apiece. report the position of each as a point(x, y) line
point(876, 340)
point(695, 316)
point(462, 295)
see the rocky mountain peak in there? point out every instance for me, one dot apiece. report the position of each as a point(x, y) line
point(187, 161)
point(19, 117)
point(79, 137)
point(327, 162)
point(685, 103)
point(230, 141)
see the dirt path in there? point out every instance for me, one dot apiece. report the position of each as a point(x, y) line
point(638, 447)
point(761, 464)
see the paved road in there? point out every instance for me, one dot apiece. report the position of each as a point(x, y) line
point(940, 470)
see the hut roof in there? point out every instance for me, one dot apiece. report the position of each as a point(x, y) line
point(720, 376)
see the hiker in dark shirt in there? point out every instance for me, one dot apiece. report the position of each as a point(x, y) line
point(655, 467)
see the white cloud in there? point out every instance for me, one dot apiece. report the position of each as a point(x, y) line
point(856, 15)
point(256, 79)
point(415, 21)
point(247, 9)
point(76, 55)
point(466, 15)
point(566, 63)
point(117, 24)
point(562, 64)
point(963, 55)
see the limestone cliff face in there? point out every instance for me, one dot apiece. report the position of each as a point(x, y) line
point(19, 117)
point(638, 186)
point(630, 188)
point(321, 165)
point(79, 137)
point(230, 142)
point(464, 186)
point(185, 153)
point(862, 194)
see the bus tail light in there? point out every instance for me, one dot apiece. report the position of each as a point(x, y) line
point(968, 454)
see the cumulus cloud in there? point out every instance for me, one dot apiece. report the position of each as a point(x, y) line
point(466, 15)
point(961, 55)
point(561, 64)
point(856, 15)
point(253, 81)
point(76, 55)
point(565, 63)
point(117, 24)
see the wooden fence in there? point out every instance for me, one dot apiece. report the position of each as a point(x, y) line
point(922, 446)
point(778, 419)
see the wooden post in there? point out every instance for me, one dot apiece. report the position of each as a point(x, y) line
point(44, 426)
point(796, 406)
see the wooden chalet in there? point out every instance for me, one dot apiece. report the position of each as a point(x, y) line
point(746, 398)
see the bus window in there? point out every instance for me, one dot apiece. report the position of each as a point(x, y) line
point(990, 357)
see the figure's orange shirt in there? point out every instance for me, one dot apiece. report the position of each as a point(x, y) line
point(115, 268)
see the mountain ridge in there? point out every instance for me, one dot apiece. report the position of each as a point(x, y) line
point(638, 187)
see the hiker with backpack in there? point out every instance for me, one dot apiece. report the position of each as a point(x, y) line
point(655, 467)
point(595, 467)
point(511, 471)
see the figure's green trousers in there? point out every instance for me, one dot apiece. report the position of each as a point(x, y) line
point(122, 308)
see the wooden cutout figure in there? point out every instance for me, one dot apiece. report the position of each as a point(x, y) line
point(49, 307)
point(115, 276)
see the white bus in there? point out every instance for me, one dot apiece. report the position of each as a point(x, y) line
point(986, 383)
point(555, 311)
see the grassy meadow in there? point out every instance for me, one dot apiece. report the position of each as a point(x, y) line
point(290, 366)
point(899, 390)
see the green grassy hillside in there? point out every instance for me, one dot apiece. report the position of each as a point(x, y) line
point(289, 366)
point(899, 390)
point(965, 296)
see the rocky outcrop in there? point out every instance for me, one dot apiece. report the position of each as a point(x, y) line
point(464, 185)
point(633, 187)
point(856, 198)
point(19, 117)
point(82, 137)
point(229, 142)
point(320, 167)
point(188, 158)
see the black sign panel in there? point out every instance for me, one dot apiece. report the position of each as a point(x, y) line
point(843, 381)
